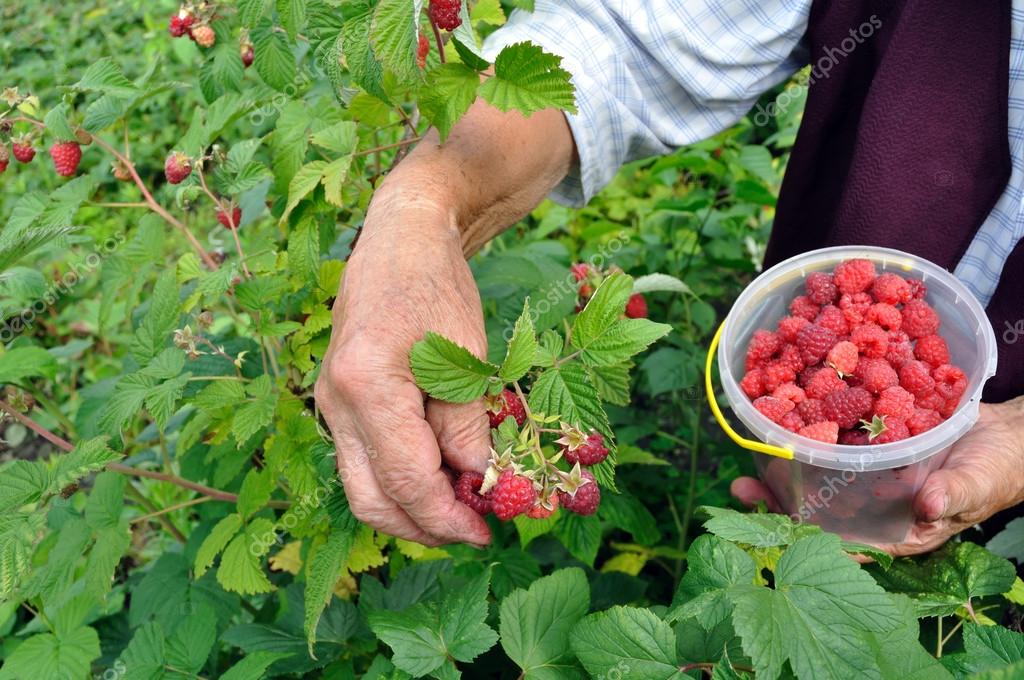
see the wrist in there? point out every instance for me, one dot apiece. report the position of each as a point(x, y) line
point(1012, 414)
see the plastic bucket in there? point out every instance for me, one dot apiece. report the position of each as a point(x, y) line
point(863, 493)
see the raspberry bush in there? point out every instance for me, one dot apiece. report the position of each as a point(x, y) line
point(180, 187)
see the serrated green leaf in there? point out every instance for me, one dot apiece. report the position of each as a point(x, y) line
point(627, 641)
point(154, 333)
point(528, 79)
point(756, 529)
point(240, 569)
point(144, 655)
point(22, 482)
point(253, 666)
point(88, 456)
point(448, 371)
point(713, 566)
point(303, 183)
point(292, 14)
point(274, 59)
point(19, 534)
point(219, 394)
point(449, 92)
point(64, 655)
point(991, 647)
point(394, 35)
point(367, 72)
point(56, 122)
point(604, 309)
point(216, 541)
point(1008, 543)
point(252, 416)
point(192, 641)
point(251, 11)
point(522, 348)
point(304, 250)
point(161, 400)
point(322, 572)
point(339, 138)
point(104, 75)
point(580, 534)
point(535, 624)
point(255, 491)
point(652, 283)
point(612, 382)
point(26, 362)
point(126, 402)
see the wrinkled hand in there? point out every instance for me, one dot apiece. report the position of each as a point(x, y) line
point(983, 474)
point(408, 275)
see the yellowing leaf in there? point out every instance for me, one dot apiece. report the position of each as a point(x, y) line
point(419, 552)
point(366, 554)
point(287, 558)
point(628, 563)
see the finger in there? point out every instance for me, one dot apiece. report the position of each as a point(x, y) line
point(750, 491)
point(463, 434)
point(408, 468)
point(950, 492)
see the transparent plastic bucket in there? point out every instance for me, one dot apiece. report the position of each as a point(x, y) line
point(863, 493)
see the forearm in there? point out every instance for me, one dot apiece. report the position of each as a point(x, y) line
point(491, 171)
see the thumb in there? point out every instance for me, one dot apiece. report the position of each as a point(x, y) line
point(463, 434)
point(950, 492)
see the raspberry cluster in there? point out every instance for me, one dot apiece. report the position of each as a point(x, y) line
point(193, 21)
point(525, 479)
point(588, 278)
point(858, 360)
point(65, 154)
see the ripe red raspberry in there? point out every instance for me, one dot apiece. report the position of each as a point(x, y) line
point(930, 400)
point(248, 54)
point(826, 431)
point(636, 308)
point(847, 407)
point(950, 381)
point(773, 409)
point(807, 375)
point(467, 490)
point(919, 319)
point(884, 315)
point(876, 374)
point(821, 289)
point(23, 151)
point(763, 346)
point(855, 307)
point(777, 373)
point(542, 509)
point(504, 405)
point(891, 288)
point(422, 50)
point(949, 408)
point(752, 383)
point(789, 326)
point(900, 349)
point(843, 357)
point(792, 421)
point(66, 156)
point(445, 14)
point(824, 383)
point(854, 276)
point(916, 378)
point(918, 289)
point(4, 157)
point(790, 356)
point(177, 167)
point(923, 420)
point(871, 340)
point(814, 342)
point(932, 349)
point(580, 270)
point(512, 495)
point(236, 217)
point(895, 402)
point(591, 452)
point(790, 392)
point(812, 411)
point(853, 438)
point(802, 306)
point(895, 430)
point(585, 500)
point(179, 24)
point(832, 318)
point(204, 36)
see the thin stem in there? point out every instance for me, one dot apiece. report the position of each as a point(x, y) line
point(439, 40)
point(54, 439)
point(52, 409)
point(691, 490)
point(115, 204)
point(164, 522)
point(26, 119)
point(404, 142)
point(939, 640)
point(949, 635)
point(229, 212)
point(172, 508)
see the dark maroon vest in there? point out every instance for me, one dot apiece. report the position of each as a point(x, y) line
point(904, 142)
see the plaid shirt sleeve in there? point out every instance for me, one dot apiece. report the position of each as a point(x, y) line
point(655, 75)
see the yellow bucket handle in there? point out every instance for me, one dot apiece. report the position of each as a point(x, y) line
point(759, 447)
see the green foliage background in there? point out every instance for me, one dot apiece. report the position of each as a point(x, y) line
point(116, 574)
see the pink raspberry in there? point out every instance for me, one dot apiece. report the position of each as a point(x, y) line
point(854, 276)
point(825, 431)
point(916, 378)
point(773, 409)
point(895, 430)
point(949, 408)
point(923, 420)
point(792, 421)
point(891, 288)
point(876, 375)
point(832, 317)
point(812, 411)
point(821, 289)
point(802, 306)
point(918, 289)
point(467, 490)
point(871, 340)
point(843, 357)
point(895, 402)
point(930, 400)
point(884, 315)
point(585, 500)
point(932, 349)
point(814, 342)
point(790, 392)
point(950, 381)
point(512, 495)
point(806, 375)
point(541, 510)
point(790, 356)
point(919, 319)
point(752, 383)
point(763, 346)
point(900, 349)
point(789, 326)
point(847, 407)
point(777, 373)
point(855, 307)
point(823, 383)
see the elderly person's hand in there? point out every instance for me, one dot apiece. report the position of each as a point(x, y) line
point(983, 474)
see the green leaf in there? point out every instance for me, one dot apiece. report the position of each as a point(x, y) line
point(192, 641)
point(56, 122)
point(292, 14)
point(251, 11)
point(154, 333)
point(19, 534)
point(253, 666)
point(758, 161)
point(626, 642)
point(64, 655)
point(64, 203)
point(394, 35)
point(304, 250)
point(322, 573)
point(252, 416)
point(898, 652)
point(255, 492)
point(105, 76)
point(991, 647)
point(87, 456)
point(240, 569)
point(549, 348)
point(106, 501)
point(815, 617)
point(219, 394)
point(274, 59)
point(612, 382)
point(216, 541)
point(521, 348)
point(535, 624)
point(22, 482)
point(713, 566)
point(581, 536)
point(161, 400)
point(528, 79)
point(144, 655)
point(756, 529)
point(626, 512)
point(621, 341)
point(334, 177)
point(126, 402)
point(949, 578)
point(604, 309)
point(469, 56)
point(450, 91)
point(367, 72)
point(448, 371)
point(26, 362)
point(1008, 543)
point(339, 138)
point(652, 283)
